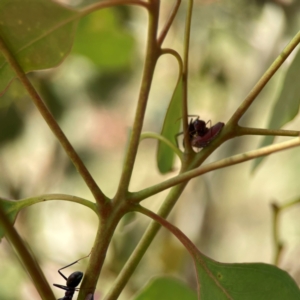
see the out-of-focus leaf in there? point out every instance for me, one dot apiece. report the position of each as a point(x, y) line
point(11, 123)
point(102, 39)
point(166, 288)
point(218, 281)
point(39, 34)
point(165, 155)
point(287, 104)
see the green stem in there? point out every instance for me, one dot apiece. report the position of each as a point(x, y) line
point(47, 197)
point(277, 244)
point(276, 209)
point(176, 55)
point(168, 24)
point(110, 3)
point(197, 256)
point(189, 245)
point(230, 161)
point(259, 131)
point(264, 80)
point(153, 135)
point(152, 54)
point(30, 263)
point(188, 146)
point(144, 244)
point(81, 168)
point(107, 226)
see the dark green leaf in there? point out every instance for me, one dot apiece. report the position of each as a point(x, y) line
point(287, 104)
point(165, 155)
point(38, 33)
point(166, 288)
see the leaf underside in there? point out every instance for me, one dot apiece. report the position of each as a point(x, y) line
point(38, 33)
point(165, 155)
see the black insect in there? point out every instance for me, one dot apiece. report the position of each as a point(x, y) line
point(196, 127)
point(199, 134)
point(71, 282)
point(201, 141)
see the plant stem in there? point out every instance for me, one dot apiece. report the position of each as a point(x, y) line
point(276, 212)
point(27, 258)
point(107, 226)
point(152, 54)
point(233, 160)
point(264, 80)
point(189, 245)
point(47, 197)
point(153, 135)
point(76, 160)
point(110, 3)
point(277, 244)
point(260, 131)
point(144, 244)
point(168, 24)
point(187, 32)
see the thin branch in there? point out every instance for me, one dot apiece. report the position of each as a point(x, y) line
point(152, 54)
point(187, 32)
point(259, 131)
point(76, 160)
point(19, 204)
point(110, 3)
point(177, 232)
point(27, 258)
point(264, 80)
point(230, 161)
point(175, 54)
point(197, 256)
point(277, 243)
point(169, 22)
point(144, 243)
point(153, 135)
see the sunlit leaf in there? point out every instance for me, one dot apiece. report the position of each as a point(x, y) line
point(287, 105)
point(166, 288)
point(165, 155)
point(39, 34)
point(102, 39)
point(218, 281)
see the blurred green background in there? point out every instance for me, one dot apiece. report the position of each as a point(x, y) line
point(93, 95)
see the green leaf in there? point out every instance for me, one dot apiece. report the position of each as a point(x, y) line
point(104, 40)
point(166, 288)
point(249, 281)
point(287, 105)
point(165, 155)
point(39, 34)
